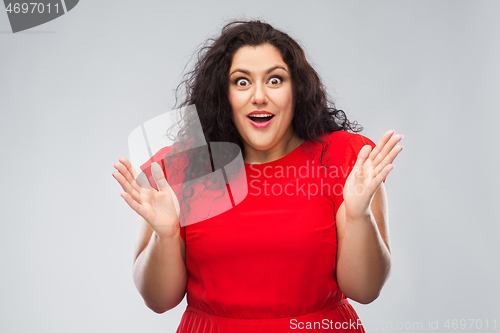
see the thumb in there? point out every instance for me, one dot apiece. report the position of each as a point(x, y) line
point(363, 155)
point(159, 176)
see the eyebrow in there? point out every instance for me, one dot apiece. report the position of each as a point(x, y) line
point(267, 72)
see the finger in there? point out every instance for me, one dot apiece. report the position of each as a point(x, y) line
point(123, 171)
point(387, 148)
point(138, 208)
point(175, 200)
point(381, 143)
point(129, 166)
point(363, 155)
point(140, 179)
point(128, 171)
point(382, 175)
point(391, 156)
point(142, 182)
point(158, 176)
point(127, 187)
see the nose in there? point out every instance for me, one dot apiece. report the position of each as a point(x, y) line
point(259, 96)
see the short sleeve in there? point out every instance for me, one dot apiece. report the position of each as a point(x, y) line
point(354, 145)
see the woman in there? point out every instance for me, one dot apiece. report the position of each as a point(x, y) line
point(312, 230)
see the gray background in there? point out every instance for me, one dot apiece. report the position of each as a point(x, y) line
point(72, 90)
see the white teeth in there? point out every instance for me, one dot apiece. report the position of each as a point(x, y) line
point(261, 115)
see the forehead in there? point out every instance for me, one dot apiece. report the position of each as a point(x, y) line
point(257, 58)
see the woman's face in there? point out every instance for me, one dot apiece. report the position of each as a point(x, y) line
point(261, 98)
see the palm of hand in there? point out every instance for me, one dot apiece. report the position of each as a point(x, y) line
point(158, 205)
point(160, 208)
point(370, 170)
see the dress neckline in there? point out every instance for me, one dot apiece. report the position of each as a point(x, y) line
point(294, 151)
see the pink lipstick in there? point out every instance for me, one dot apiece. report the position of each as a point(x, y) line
point(260, 119)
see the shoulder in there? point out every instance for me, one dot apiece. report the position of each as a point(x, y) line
point(340, 147)
point(340, 141)
point(343, 138)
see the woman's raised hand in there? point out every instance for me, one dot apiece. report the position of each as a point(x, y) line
point(160, 208)
point(370, 170)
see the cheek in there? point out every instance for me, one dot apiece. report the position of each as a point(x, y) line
point(234, 101)
point(285, 100)
point(288, 106)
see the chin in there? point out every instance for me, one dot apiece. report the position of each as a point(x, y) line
point(261, 146)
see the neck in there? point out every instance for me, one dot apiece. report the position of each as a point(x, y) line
point(288, 144)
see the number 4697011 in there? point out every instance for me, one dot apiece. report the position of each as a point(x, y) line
point(470, 323)
point(32, 7)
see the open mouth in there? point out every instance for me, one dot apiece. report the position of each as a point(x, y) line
point(261, 118)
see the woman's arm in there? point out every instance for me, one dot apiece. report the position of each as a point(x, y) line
point(159, 268)
point(363, 253)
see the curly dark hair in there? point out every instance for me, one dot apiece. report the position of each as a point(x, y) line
point(207, 87)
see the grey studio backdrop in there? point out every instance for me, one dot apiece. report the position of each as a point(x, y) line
point(72, 90)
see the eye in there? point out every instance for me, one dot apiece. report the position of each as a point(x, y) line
point(275, 80)
point(241, 82)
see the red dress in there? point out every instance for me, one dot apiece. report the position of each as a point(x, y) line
point(268, 264)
